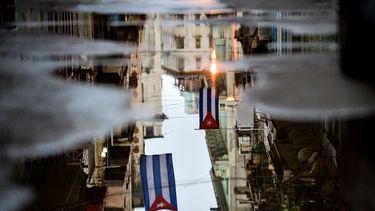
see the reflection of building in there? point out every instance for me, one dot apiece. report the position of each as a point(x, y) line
point(291, 164)
point(218, 152)
point(188, 48)
point(110, 161)
point(302, 157)
point(189, 83)
point(7, 14)
point(70, 189)
point(228, 171)
point(191, 102)
point(148, 93)
point(117, 178)
point(187, 44)
point(151, 77)
point(278, 39)
point(227, 46)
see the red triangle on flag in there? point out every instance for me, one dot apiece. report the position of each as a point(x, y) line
point(209, 122)
point(161, 203)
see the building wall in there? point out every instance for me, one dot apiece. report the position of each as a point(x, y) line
point(148, 95)
point(187, 44)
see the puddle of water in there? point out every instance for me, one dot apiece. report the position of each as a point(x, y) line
point(296, 46)
point(13, 197)
point(128, 6)
point(38, 24)
point(318, 22)
point(43, 44)
point(54, 114)
point(284, 5)
point(300, 23)
point(305, 87)
point(42, 114)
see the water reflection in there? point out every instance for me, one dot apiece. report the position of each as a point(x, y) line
point(81, 97)
point(34, 44)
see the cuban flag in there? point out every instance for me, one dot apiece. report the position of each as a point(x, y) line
point(158, 183)
point(208, 108)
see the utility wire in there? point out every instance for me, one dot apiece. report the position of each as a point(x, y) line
point(188, 183)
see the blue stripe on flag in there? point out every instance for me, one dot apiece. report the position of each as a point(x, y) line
point(208, 100)
point(172, 184)
point(144, 182)
point(217, 107)
point(200, 107)
point(157, 177)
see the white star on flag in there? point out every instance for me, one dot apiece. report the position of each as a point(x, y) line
point(159, 187)
point(161, 204)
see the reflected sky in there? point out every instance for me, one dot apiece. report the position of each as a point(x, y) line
point(188, 146)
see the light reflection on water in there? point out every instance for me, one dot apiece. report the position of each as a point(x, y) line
point(279, 58)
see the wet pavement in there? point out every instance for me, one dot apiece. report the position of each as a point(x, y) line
point(87, 87)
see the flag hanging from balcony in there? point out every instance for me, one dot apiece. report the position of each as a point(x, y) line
point(159, 188)
point(208, 108)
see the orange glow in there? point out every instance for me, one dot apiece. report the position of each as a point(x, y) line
point(213, 68)
point(213, 55)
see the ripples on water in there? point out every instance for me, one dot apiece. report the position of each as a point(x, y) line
point(53, 114)
point(305, 87)
point(42, 115)
point(43, 44)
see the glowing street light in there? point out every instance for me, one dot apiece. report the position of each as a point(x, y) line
point(213, 68)
point(213, 55)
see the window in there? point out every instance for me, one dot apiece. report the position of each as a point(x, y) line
point(180, 17)
point(198, 42)
point(198, 63)
point(180, 63)
point(149, 131)
point(179, 42)
point(197, 18)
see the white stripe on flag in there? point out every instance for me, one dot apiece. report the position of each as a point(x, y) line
point(150, 179)
point(213, 108)
point(164, 177)
point(204, 102)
